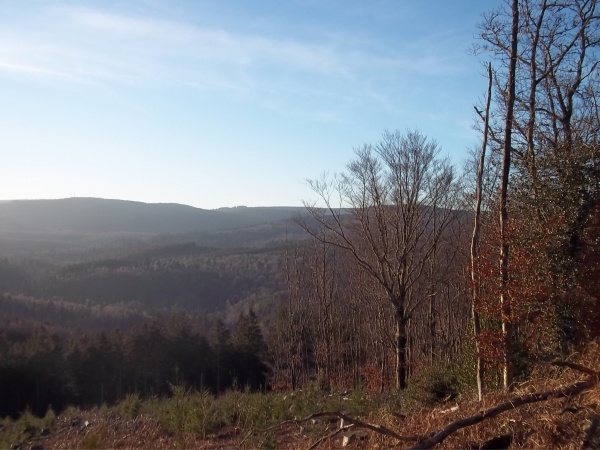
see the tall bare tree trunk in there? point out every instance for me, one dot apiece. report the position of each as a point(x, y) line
point(431, 294)
point(401, 349)
point(533, 84)
point(382, 347)
point(507, 330)
point(475, 240)
point(391, 193)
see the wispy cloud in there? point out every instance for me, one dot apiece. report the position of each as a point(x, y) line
point(159, 38)
point(90, 45)
point(98, 35)
point(29, 70)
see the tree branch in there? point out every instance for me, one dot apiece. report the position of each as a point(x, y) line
point(330, 436)
point(440, 435)
point(515, 402)
point(351, 421)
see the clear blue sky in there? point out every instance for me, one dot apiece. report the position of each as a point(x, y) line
point(223, 102)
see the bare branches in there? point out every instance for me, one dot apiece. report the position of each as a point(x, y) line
point(437, 437)
point(515, 402)
point(475, 239)
point(352, 422)
point(337, 432)
point(504, 242)
point(397, 198)
point(557, 58)
point(575, 366)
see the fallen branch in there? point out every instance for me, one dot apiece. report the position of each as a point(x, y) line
point(575, 366)
point(565, 391)
point(330, 436)
point(353, 423)
point(439, 436)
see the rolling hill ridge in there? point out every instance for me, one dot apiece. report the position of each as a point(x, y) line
point(95, 215)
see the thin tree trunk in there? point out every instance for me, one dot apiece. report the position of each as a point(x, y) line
point(381, 347)
point(432, 297)
point(533, 84)
point(475, 240)
point(504, 248)
point(383, 368)
point(401, 350)
point(432, 326)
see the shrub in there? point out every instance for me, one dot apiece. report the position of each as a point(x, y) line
point(49, 420)
point(436, 385)
point(242, 409)
point(206, 418)
point(177, 410)
point(131, 406)
point(94, 440)
point(184, 412)
point(18, 433)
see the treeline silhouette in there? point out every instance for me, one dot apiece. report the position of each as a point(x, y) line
point(49, 367)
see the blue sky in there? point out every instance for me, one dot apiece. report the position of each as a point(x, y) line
point(224, 102)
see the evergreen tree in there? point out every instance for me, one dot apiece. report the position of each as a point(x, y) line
point(249, 347)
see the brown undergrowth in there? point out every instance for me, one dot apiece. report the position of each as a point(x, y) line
point(263, 421)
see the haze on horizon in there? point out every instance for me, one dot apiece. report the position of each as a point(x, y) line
point(216, 104)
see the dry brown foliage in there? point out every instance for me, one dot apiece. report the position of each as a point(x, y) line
point(556, 423)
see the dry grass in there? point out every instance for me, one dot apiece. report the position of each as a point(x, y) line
point(557, 423)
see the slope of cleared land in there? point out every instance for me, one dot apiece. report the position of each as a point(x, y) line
point(246, 421)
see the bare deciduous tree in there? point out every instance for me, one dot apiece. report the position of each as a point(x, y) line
point(546, 91)
point(556, 73)
point(382, 212)
point(475, 240)
point(504, 244)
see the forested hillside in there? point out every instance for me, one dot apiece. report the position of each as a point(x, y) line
point(134, 256)
point(405, 283)
point(91, 311)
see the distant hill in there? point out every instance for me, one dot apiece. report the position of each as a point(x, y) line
point(74, 225)
point(74, 258)
point(94, 215)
